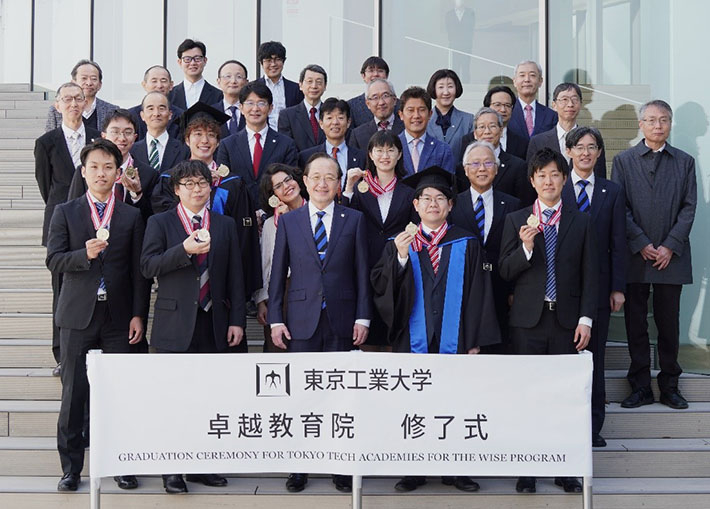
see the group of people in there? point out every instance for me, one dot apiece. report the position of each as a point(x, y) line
point(385, 222)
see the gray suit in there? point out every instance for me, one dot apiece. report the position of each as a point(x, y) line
point(461, 125)
point(103, 110)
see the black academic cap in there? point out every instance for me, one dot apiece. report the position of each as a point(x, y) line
point(434, 176)
point(199, 109)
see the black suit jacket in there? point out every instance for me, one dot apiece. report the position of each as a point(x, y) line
point(292, 91)
point(608, 214)
point(360, 136)
point(209, 95)
point(127, 290)
point(549, 139)
point(576, 269)
point(54, 170)
point(516, 145)
point(173, 127)
point(295, 123)
point(175, 312)
point(545, 119)
point(175, 151)
point(234, 152)
point(224, 131)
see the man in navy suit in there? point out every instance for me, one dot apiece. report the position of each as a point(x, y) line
point(421, 150)
point(286, 93)
point(373, 68)
point(231, 77)
point(300, 122)
point(334, 121)
point(329, 289)
point(192, 58)
point(156, 79)
point(529, 117)
point(381, 100)
point(567, 102)
point(502, 99)
point(158, 150)
point(251, 150)
point(606, 205)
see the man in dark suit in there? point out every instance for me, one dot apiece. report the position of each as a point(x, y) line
point(502, 99)
point(156, 79)
point(300, 122)
point(660, 188)
point(373, 68)
point(329, 289)
point(231, 77)
point(420, 150)
point(88, 75)
point(286, 93)
point(481, 210)
point(192, 58)
point(334, 122)
point(512, 175)
point(98, 273)
point(158, 150)
point(605, 204)
point(57, 155)
point(381, 100)
point(567, 102)
point(249, 152)
point(554, 274)
point(529, 117)
point(200, 304)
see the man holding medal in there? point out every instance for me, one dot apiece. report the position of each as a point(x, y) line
point(555, 274)
point(95, 241)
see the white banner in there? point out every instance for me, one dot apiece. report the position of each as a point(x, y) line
point(344, 413)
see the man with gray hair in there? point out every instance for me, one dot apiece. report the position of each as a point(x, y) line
point(661, 194)
point(481, 210)
point(300, 122)
point(381, 101)
point(529, 117)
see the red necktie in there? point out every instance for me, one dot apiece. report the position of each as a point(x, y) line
point(256, 160)
point(314, 125)
point(383, 125)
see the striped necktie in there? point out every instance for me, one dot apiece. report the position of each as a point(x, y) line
point(100, 208)
point(75, 148)
point(154, 156)
point(205, 299)
point(234, 121)
point(550, 251)
point(583, 199)
point(479, 213)
point(321, 239)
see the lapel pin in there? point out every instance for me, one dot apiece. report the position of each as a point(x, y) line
point(603, 190)
point(342, 215)
point(273, 141)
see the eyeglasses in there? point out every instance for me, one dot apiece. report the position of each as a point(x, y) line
point(661, 120)
point(126, 133)
point(197, 59)
point(477, 164)
point(564, 101)
point(235, 77)
point(251, 104)
point(490, 127)
point(210, 135)
point(286, 180)
point(506, 106)
point(328, 179)
point(273, 60)
point(439, 200)
point(586, 148)
point(376, 98)
point(190, 184)
point(68, 99)
point(379, 151)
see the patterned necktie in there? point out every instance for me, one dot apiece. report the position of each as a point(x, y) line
point(258, 150)
point(529, 119)
point(205, 299)
point(154, 157)
point(234, 122)
point(415, 154)
point(321, 239)
point(550, 250)
point(434, 252)
point(314, 124)
point(583, 199)
point(100, 208)
point(479, 213)
point(75, 148)
point(383, 125)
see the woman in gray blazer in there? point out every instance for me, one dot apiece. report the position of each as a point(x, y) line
point(447, 123)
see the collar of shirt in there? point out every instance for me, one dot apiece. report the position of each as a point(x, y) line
point(389, 119)
point(192, 213)
point(124, 165)
point(94, 198)
point(659, 150)
point(263, 133)
point(561, 133)
point(272, 85)
point(523, 104)
point(312, 209)
point(576, 178)
point(87, 114)
point(226, 107)
point(343, 147)
point(190, 85)
point(162, 139)
point(69, 132)
point(409, 138)
point(487, 196)
point(556, 206)
point(428, 230)
point(309, 106)
point(497, 150)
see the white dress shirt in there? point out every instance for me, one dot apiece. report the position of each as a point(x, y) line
point(92, 109)
point(523, 104)
point(487, 209)
point(69, 136)
point(162, 143)
point(410, 139)
point(193, 91)
point(589, 188)
point(252, 139)
point(278, 91)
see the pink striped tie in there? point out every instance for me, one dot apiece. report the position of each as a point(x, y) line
point(415, 153)
point(529, 119)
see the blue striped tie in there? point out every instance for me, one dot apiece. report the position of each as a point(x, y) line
point(100, 208)
point(480, 214)
point(550, 248)
point(321, 242)
point(154, 156)
point(583, 198)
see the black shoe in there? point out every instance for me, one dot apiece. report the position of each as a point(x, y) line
point(526, 485)
point(57, 371)
point(598, 440)
point(126, 482)
point(461, 482)
point(673, 399)
point(296, 482)
point(343, 483)
point(639, 397)
point(207, 479)
point(569, 484)
point(410, 483)
point(69, 482)
point(174, 484)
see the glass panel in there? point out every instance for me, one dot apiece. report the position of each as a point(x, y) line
point(15, 41)
point(626, 53)
point(128, 39)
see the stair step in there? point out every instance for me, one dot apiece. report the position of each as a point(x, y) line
point(38, 123)
point(693, 387)
point(18, 166)
point(25, 236)
point(17, 154)
point(29, 384)
point(17, 353)
point(33, 104)
point(657, 421)
point(25, 178)
point(22, 255)
point(21, 96)
point(23, 204)
point(28, 143)
point(25, 301)
point(14, 87)
point(25, 326)
point(15, 278)
point(39, 113)
point(25, 132)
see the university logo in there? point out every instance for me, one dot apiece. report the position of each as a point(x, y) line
point(273, 380)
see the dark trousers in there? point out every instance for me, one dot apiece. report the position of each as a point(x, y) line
point(597, 345)
point(323, 339)
point(202, 337)
point(666, 310)
point(75, 386)
point(548, 337)
point(56, 287)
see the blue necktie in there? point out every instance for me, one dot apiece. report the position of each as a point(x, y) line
point(100, 208)
point(320, 236)
point(233, 124)
point(480, 215)
point(583, 198)
point(550, 249)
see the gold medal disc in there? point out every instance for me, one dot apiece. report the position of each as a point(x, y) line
point(411, 229)
point(533, 221)
point(102, 234)
point(130, 172)
point(222, 171)
point(363, 187)
point(273, 202)
point(203, 235)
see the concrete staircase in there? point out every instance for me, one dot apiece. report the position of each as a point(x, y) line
point(656, 457)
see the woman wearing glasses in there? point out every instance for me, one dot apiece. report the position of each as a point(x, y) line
point(447, 123)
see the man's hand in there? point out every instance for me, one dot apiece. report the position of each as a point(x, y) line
point(582, 335)
point(235, 334)
point(261, 310)
point(135, 330)
point(354, 174)
point(527, 236)
point(359, 334)
point(277, 335)
point(663, 257)
point(649, 252)
point(94, 248)
point(132, 184)
point(192, 246)
point(475, 350)
point(402, 242)
point(616, 300)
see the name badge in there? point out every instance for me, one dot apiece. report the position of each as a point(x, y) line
point(488, 267)
point(246, 221)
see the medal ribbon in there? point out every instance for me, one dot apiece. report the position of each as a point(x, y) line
point(213, 167)
point(276, 214)
point(108, 212)
point(187, 220)
point(375, 186)
point(537, 211)
point(420, 240)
